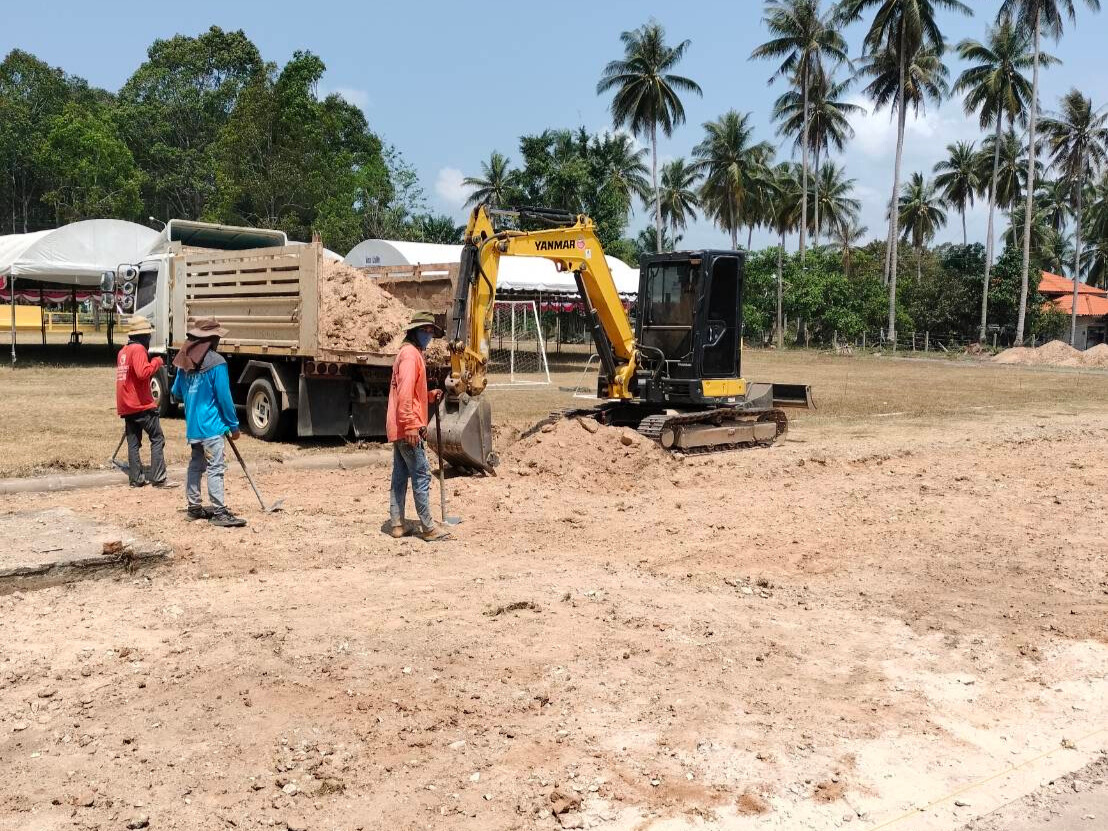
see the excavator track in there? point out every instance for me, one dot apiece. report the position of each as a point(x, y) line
point(709, 431)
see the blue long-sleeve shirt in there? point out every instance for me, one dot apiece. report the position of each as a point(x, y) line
point(209, 408)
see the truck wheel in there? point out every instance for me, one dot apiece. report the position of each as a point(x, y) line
point(264, 417)
point(159, 389)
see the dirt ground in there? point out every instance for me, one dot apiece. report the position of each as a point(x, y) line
point(891, 620)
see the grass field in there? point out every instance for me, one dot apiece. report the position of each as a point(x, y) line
point(57, 414)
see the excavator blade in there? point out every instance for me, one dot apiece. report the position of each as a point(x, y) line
point(467, 434)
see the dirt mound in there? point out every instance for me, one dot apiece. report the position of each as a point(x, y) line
point(1096, 357)
point(586, 454)
point(355, 314)
point(1055, 353)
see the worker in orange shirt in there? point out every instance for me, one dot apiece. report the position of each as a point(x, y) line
point(406, 427)
point(136, 406)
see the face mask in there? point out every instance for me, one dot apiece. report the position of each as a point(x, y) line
point(423, 339)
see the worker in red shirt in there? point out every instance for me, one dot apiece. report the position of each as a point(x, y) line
point(406, 427)
point(136, 406)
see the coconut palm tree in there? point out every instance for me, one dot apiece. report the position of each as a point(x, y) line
point(834, 198)
point(1078, 142)
point(678, 200)
point(845, 237)
point(806, 43)
point(1056, 198)
point(492, 186)
point(1011, 168)
point(828, 123)
point(622, 167)
point(903, 38)
point(734, 167)
point(1097, 213)
point(996, 88)
point(921, 214)
point(1038, 17)
point(902, 84)
point(783, 217)
point(958, 179)
point(647, 92)
point(1057, 251)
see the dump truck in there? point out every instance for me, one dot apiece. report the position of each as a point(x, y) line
point(289, 378)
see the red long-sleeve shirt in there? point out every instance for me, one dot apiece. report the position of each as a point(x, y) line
point(133, 371)
point(407, 393)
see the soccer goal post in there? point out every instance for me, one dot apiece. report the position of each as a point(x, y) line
point(517, 348)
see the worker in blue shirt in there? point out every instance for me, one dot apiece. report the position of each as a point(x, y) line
point(204, 385)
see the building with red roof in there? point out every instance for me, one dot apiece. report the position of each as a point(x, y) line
point(1092, 307)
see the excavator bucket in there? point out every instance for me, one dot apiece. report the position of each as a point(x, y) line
point(466, 425)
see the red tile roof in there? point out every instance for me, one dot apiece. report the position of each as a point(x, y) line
point(1088, 305)
point(1052, 284)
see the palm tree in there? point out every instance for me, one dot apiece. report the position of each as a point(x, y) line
point(902, 84)
point(845, 237)
point(678, 200)
point(646, 92)
point(1057, 252)
point(1037, 16)
point(997, 90)
point(828, 123)
point(1041, 231)
point(802, 39)
point(437, 229)
point(921, 214)
point(1097, 213)
point(1056, 198)
point(834, 198)
point(1011, 168)
point(734, 167)
point(784, 216)
point(904, 39)
point(647, 243)
point(958, 179)
point(491, 187)
point(622, 168)
point(1078, 142)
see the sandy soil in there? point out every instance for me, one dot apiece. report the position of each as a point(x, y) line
point(892, 622)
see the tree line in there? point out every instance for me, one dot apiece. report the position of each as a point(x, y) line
point(203, 129)
point(1045, 171)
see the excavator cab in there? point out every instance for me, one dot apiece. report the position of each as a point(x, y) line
point(689, 328)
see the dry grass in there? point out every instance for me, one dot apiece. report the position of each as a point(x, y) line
point(56, 417)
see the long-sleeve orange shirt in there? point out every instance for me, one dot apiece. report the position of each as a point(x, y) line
point(133, 371)
point(407, 393)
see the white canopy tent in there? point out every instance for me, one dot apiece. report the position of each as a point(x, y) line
point(75, 254)
point(516, 273)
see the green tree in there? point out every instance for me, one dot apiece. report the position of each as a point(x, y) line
point(1038, 17)
point(646, 91)
point(783, 217)
point(904, 45)
point(958, 179)
point(1056, 198)
point(1097, 221)
point(173, 108)
point(492, 186)
point(921, 214)
point(439, 229)
point(834, 198)
point(734, 167)
point(845, 238)
point(996, 88)
point(1078, 141)
point(620, 167)
point(678, 200)
point(90, 171)
point(802, 38)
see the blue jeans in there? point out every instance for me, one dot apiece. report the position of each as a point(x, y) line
point(410, 463)
point(207, 457)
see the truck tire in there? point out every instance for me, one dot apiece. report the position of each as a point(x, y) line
point(159, 388)
point(264, 418)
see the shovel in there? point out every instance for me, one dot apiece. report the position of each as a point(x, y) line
point(276, 506)
point(115, 461)
point(446, 520)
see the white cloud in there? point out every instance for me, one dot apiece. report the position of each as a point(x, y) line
point(450, 187)
point(358, 97)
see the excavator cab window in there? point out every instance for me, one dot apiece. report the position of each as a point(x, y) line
point(722, 323)
point(667, 314)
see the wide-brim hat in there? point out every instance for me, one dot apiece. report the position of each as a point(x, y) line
point(139, 325)
point(421, 319)
point(206, 327)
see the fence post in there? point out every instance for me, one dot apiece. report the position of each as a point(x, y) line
point(926, 341)
point(994, 341)
point(913, 341)
point(863, 339)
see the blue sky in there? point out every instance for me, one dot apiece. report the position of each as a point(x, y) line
point(447, 82)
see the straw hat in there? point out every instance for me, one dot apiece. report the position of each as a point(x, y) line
point(139, 325)
point(206, 327)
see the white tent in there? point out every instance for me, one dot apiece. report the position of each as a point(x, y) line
point(516, 273)
point(75, 254)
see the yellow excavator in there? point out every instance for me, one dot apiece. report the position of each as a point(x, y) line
point(673, 374)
